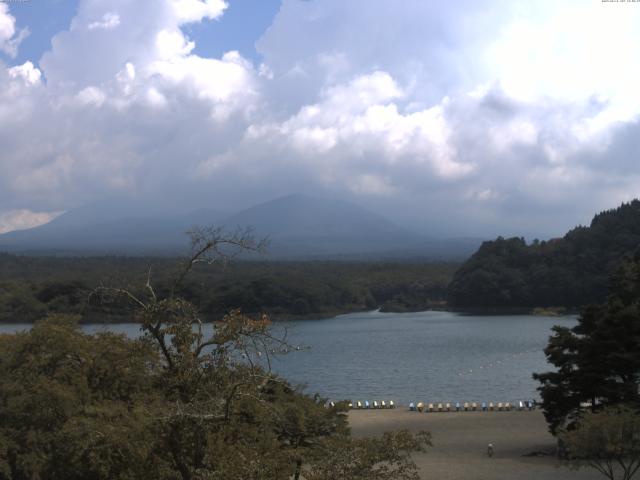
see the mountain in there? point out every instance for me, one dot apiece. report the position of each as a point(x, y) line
point(306, 227)
point(298, 227)
point(100, 230)
point(571, 271)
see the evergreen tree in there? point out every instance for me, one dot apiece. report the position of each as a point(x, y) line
point(598, 360)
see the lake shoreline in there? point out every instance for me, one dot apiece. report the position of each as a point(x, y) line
point(283, 318)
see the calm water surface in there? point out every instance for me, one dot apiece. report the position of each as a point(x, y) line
point(426, 356)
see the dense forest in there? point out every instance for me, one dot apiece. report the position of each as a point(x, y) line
point(175, 403)
point(566, 272)
point(570, 272)
point(32, 287)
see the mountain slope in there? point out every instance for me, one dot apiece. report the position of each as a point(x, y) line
point(298, 226)
point(571, 271)
point(305, 225)
point(88, 231)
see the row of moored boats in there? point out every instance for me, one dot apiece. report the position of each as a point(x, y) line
point(472, 406)
point(375, 404)
point(446, 407)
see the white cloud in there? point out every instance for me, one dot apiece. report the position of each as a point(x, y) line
point(517, 131)
point(476, 112)
point(109, 21)
point(364, 90)
point(23, 219)
point(7, 23)
point(188, 11)
point(10, 38)
point(27, 72)
point(361, 120)
point(91, 96)
point(155, 98)
point(95, 128)
point(172, 43)
point(226, 82)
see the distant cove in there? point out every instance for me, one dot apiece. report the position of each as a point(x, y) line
point(428, 356)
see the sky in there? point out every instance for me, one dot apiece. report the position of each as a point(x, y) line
point(467, 118)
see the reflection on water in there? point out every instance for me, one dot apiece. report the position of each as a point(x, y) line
point(427, 356)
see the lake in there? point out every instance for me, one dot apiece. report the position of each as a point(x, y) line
point(409, 357)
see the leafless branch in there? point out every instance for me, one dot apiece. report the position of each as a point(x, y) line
point(118, 292)
point(150, 287)
point(213, 245)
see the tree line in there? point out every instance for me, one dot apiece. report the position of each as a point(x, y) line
point(31, 287)
point(571, 272)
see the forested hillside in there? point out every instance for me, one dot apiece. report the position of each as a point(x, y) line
point(571, 271)
point(32, 287)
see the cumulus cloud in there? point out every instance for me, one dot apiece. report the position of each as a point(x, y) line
point(358, 132)
point(109, 21)
point(7, 23)
point(29, 74)
point(23, 219)
point(189, 11)
point(10, 38)
point(121, 126)
point(485, 118)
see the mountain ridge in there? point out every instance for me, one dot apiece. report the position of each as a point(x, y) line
point(299, 226)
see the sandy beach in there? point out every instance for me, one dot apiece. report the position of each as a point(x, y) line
point(460, 444)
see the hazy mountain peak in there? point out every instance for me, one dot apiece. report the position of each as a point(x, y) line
point(301, 215)
point(299, 225)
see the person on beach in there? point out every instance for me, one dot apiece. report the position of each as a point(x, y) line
point(490, 450)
